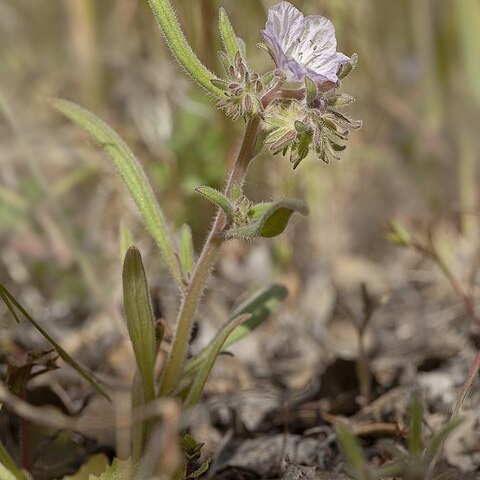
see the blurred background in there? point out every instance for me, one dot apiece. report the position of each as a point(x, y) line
point(417, 88)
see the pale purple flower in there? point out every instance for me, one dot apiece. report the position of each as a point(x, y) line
point(303, 46)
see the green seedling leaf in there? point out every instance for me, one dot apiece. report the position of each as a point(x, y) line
point(140, 319)
point(260, 306)
point(415, 430)
point(180, 48)
point(272, 221)
point(350, 447)
point(229, 38)
point(187, 256)
point(218, 199)
point(437, 441)
point(13, 305)
point(216, 346)
point(133, 176)
point(8, 468)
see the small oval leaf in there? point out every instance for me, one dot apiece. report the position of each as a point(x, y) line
point(270, 223)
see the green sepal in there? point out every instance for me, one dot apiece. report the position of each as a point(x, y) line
point(229, 38)
point(311, 90)
point(271, 222)
point(201, 470)
point(343, 100)
point(218, 199)
point(140, 319)
point(349, 67)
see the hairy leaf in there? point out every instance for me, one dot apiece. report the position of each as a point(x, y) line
point(229, 38)
point(180, 48)
point(218, 199)
point(271, 222)
point(133, 176)
point(140, 319)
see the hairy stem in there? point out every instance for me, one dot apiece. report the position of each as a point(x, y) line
point(204, 266)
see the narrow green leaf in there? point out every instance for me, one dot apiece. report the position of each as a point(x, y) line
point(260, 306)
point(11, 470)
point(218, 199)
point(6, 474)
point(350, 447)
point(187, 256)
point(229, 38)
point(216, 346)
point(87, 375)
point(415, 430)
point(271, 223)
point(180, 48)
point(133, 176)
point(437, 441)
point(140, 319)
point(140, 429)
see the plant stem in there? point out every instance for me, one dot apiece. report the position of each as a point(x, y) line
point(173, 368)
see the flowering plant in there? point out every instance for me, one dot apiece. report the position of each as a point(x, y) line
point(294, 108)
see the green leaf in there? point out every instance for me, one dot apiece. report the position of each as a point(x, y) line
point(118, 470)
point(216, 346)
point(133, 176)
point(437, 441)
point(8, 468)
point(187, 256)
point(229, 38)
point(218, 199)
point(140, 319)
point(260, 306)
point(350, 446)
point(415, 430)
point(271, 222)
point(358, 468)
point(201, 470)
point(95, 465)
point(13, 304)
point(180, 48)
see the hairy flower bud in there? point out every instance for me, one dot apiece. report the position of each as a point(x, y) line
point(243, 89)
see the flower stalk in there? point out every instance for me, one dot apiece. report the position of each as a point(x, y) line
point(193, 295)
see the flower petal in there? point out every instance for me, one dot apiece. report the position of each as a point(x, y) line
point(303, 45)
point(285, 25)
